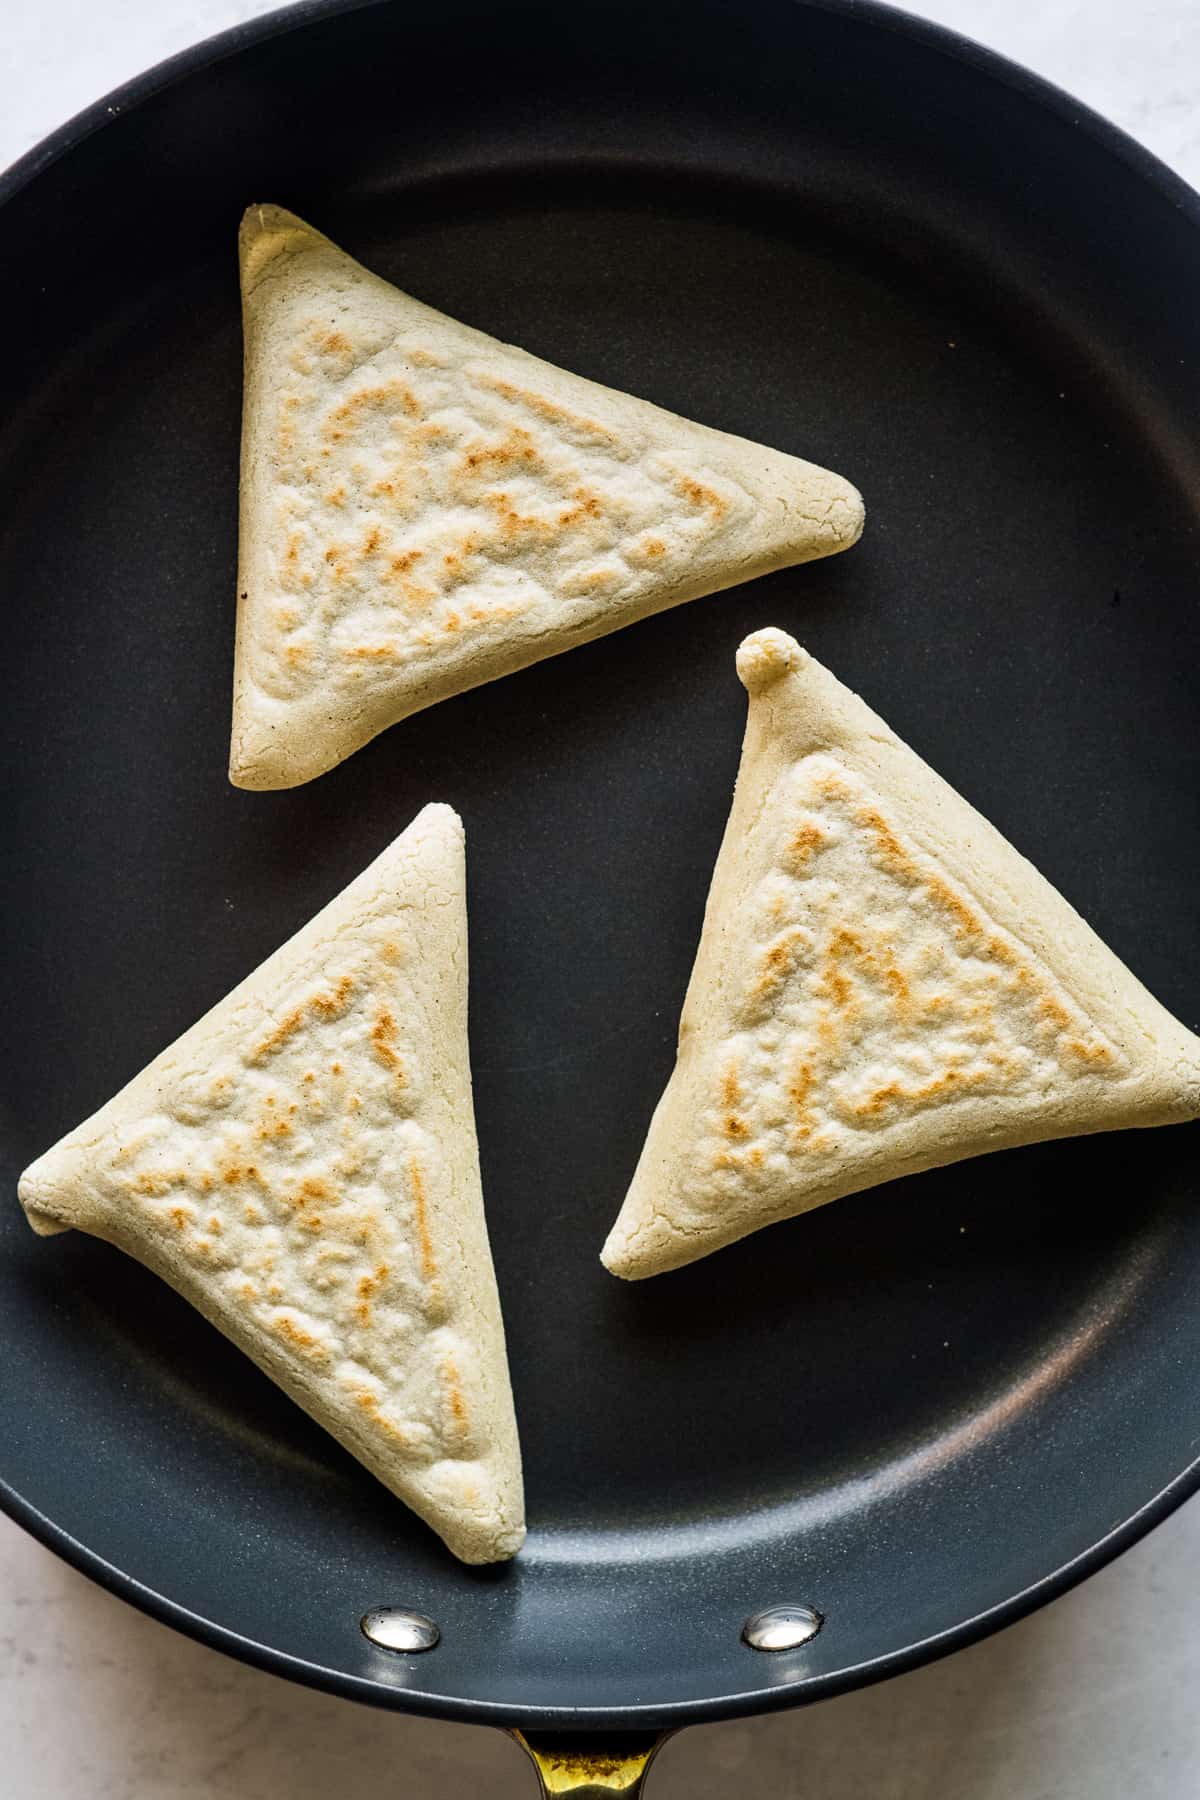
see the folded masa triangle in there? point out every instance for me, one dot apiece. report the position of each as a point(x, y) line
point(882, 985)
point(301, 1165)
point(424, 509)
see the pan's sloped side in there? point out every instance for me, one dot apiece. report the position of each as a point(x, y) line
point(823, 227)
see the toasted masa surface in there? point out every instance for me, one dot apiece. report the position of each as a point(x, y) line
point(424, 508)
point(883, 985)
point(302, 1167)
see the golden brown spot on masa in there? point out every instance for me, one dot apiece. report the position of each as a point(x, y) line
point(454, 1396)
point(876, 963)
point(699, 495)
point(329, 1004)
point(538, 403)
point(154, 1183)
point(1054, 1012)
point(587, 506)
point(889, 848)
point(800, 1093)
point(391, 396)
point(807, 840)
point(509, 522)
point(777, 963)
point(370, 1405)
point(383, 1044)
point(295, 1335)
point(836, 985)
point(830, 784)
point(416, 1178)
point(584, 579)
point(368, 1286)
point(938, 1087)
point(964, 922)
point(517, 446)
point(373, 652)
point(897, 981)
point(272, 1128)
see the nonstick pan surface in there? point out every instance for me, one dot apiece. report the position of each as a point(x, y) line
point(824, 226)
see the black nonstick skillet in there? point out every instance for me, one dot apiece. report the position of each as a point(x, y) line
point(918, 1413)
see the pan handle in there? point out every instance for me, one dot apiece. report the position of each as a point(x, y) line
point(592, 1768)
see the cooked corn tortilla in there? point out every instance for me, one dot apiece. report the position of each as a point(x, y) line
point(302, 1166)
point(424, 508)
point(883, 985)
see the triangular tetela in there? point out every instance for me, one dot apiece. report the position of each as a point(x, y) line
point(424, 509)
point(883, 985)
point(301, 1165)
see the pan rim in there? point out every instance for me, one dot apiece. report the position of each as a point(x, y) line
point(221, 45)
point(1185, 200)
point(652, 1716)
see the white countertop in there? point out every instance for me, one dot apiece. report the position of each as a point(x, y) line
point(1092, 1698)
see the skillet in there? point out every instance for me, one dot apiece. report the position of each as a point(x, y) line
point(921, 1412)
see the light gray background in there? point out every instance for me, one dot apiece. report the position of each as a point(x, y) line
point(1093, 1698)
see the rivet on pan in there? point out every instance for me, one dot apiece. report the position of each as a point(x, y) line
point(782, 1627)
point(395, 1628)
